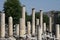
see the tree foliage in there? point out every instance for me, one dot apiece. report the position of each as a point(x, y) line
point(13, 8)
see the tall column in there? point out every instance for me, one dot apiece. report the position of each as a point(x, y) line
point(23, 16)
point(33, 21)
point(37, 25)
point(22, 28)
point(50, 24)
point(39, 35)
point(28, 31)
point(23, 13)
point(44, 27)
point(10, 26)
point(41, 19)
point(57, 32)
point(28, 28)
point(2, 25)
point(17, 29)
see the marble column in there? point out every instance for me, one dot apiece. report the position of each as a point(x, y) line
point(50, 24)
point(44, 27)
point(28, 28)
point(33, 21)
point(37, 25)
point(10, 21)
point(23, 12)
point(39, 33)
point(2, 25)
point(28, 31)
point(37, 21)
point(41, 20)
point(57, 32)
point(17, 29)
point(22, 28)
point(23, 16)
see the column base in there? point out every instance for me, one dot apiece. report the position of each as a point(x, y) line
point(11, 38)
point(2, 38)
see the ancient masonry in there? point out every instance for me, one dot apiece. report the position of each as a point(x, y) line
point(31, 32)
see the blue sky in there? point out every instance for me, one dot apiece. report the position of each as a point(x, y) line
point(45, 5)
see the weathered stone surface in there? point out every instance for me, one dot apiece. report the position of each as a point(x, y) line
point(57, 31)
point(33, 21)
point(17, 29)
point(44, 27)
point(10, 26)
point(2, 25)
point(39, 33)
point(28, 28)
point(41, 20)
point(50, 24)
point(22, 27)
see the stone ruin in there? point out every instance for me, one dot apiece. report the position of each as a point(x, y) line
point(32, 32)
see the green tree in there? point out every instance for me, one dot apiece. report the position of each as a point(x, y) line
point(13, 8)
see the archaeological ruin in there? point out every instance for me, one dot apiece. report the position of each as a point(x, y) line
point(32, 32)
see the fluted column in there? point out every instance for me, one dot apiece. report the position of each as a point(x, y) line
point(41, 19)
point(33, 21)
point(57, 32)
point(2, 25)
point(10, 26)
point(17, 29)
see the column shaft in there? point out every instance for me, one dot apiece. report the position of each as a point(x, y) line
point(50, 24)
point(10, 27)
point(28, 28)
point(57, 31)
point(44, 27)
point(37, 21)
point(33, 21)
point(22, 28)
point(39, 35)
point(2, 25)
point(23, 16)
point(23, 13)
point(37, 25)
point(17, 29)
point(41, 19)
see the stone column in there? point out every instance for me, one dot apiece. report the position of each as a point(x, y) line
point(17, 29)
point(39, 35)
point(28, 31)
point(10, 26)
point(23, 16)
point(57, 32)
point(22, 28)
point(33, 21)
point(28, 28)
point(37, 25)
point(50, 24)
point(2, 25)
point(41, 19)
point(44, 27)
point(37, 21)
point(23, 12)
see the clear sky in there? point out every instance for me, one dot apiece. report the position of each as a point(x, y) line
point(45, 5)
